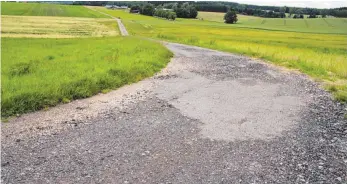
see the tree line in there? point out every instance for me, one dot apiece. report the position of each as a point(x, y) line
point(184, 10)
point(255, 10)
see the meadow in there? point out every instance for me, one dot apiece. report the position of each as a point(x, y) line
point(42, 72)
point(322, 56)
point(45, 9)
point(56, 27)
point(317, 25)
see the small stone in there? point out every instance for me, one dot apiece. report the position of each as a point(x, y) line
point(339, 179)
point(5, 164)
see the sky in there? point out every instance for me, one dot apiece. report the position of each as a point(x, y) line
point(297, 3)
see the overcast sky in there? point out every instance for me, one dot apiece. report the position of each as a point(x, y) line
point(297, 3)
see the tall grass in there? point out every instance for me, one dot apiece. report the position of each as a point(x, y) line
point(44, 9)
point(322, 56)
point(37, 73)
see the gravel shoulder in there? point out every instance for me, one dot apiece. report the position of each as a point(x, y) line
point(208, 117)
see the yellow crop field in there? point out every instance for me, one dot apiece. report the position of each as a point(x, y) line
point(56, 27)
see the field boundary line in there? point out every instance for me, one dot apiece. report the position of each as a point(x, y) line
point(122, 29)
point(327, 23)
point(306, 23)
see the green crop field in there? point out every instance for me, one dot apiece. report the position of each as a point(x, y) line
point(317, 25)
point(42, 72)
point(44, 9)
point(322, 56)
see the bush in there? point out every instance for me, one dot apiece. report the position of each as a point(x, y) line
point(136, 7)
point(165, 14)
point(312, 16)
point(172, 16)
point(301, 16)
point(147, 9)
point(230, 17)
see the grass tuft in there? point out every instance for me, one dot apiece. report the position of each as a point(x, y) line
point(20, 69)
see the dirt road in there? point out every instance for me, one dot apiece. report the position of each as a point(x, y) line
point(209, 117)
point(122, 29)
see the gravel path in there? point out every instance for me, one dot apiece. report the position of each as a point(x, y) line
point(122, 29)
point(209, 117)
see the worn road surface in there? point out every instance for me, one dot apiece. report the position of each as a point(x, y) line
point(209, 117)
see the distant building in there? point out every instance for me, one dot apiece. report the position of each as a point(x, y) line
point(134, 11)
point(116, 7)
point(108, 6)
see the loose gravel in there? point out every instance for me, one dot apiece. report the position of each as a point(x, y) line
point(209, 117)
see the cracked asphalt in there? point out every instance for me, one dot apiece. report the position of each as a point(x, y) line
point(208, 117)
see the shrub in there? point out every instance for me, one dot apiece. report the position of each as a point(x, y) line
point(172, 16)
point(312, 16)
point(301, 16)
point(230, 17)
point(136, 7)
point(165, 14)
point(20, 69)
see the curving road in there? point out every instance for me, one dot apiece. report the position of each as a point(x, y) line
point(208, 117)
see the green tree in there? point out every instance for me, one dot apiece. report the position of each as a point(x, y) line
point(292, 11)
point(283, 9)
point(193, 13)
point(230, 17)
point(147, 9)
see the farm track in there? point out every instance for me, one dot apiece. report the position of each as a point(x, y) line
point(209, 117)
point(121, 26)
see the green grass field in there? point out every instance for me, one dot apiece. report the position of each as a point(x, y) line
point(317, 25)
point(42, 72)
point(44, 9)
point(219, 17)
point(322, 56)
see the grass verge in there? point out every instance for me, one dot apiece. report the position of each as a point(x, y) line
point(53, 71)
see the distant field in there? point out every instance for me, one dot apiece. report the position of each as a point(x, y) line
point(42, 72)
point(44, 9)
point(56, 27)
point(317, 25)
point(219, 17)
point(322, 56)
